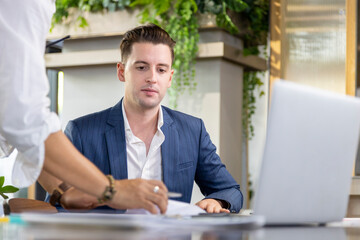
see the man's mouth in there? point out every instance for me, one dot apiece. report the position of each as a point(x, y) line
point(149, 90)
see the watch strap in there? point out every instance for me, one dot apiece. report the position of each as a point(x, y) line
point(58, 192)
point(109, 192)
point(56, 196)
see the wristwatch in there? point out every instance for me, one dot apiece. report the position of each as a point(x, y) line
point(57, 193)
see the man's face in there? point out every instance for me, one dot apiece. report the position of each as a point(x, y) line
point(147, 75)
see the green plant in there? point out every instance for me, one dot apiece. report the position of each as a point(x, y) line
point(252, 82)
point(63, 6)
point(221, 9)
point(258, 28)
point(6, 189)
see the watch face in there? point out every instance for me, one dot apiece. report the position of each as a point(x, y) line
point(55, 197)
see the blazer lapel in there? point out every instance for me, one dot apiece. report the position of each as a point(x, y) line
point(169, 152)
point(116, 143)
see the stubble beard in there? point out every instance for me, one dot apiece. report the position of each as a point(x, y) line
point(147, 105)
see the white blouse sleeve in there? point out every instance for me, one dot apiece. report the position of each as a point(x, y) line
point(25, 117)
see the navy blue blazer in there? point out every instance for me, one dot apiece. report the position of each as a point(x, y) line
point(187, 153)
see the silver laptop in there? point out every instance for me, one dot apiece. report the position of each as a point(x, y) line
point(311, 144)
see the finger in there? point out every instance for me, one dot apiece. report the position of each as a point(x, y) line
point(151, 195)
point(217, 209)
point(158, 183)
point(160, 202)
point(161, 193)
point(160, 199)
point(224, 210)
point(210, 209)
point(202, 204)
point(163, 207)
point(149, 206)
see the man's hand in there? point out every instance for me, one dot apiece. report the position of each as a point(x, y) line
point(139, 193)
point(212, 206)
point(76, 199)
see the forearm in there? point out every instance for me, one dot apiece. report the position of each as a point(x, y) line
point(48, 181)
point(65, 162)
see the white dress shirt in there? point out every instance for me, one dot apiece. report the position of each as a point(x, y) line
point(140, 165)
point(25, 117)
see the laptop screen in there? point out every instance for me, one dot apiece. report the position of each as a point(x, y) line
point(309, 155)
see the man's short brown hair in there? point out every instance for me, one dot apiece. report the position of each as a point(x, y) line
point(150, 33)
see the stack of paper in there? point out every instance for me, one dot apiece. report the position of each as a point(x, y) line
point(175, 208)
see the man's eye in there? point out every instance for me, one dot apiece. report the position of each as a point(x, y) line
point(140, 67)
point(162, 70)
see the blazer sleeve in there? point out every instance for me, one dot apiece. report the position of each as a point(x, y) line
point(73, 133)
point(212, 176)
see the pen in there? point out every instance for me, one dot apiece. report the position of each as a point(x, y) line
point(174, 195)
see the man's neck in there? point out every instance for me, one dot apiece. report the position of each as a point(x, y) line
point(143, 122)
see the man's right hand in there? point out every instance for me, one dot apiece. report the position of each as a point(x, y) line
point(139, 193)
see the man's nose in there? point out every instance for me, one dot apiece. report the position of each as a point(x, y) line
point(151, 78)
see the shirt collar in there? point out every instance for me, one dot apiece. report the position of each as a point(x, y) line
point(128, 131)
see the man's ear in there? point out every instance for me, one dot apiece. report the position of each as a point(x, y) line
point(120, 71)
point(171, 75)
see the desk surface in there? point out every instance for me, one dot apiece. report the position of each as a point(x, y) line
point(49, 231)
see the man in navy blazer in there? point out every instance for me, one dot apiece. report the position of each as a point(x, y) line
point(187, 153)
point(140, 139)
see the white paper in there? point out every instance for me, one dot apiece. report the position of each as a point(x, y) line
point(175, 208)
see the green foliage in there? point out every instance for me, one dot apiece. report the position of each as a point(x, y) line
point(63, 6)
point(258, 28)
point(220, 9)
point(252, 82)
point(258, 25)
point(6, 189)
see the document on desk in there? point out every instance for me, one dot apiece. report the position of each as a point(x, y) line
point(175, 208)
point(178, 216)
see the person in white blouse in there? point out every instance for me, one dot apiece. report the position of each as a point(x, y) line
point(27, 124)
